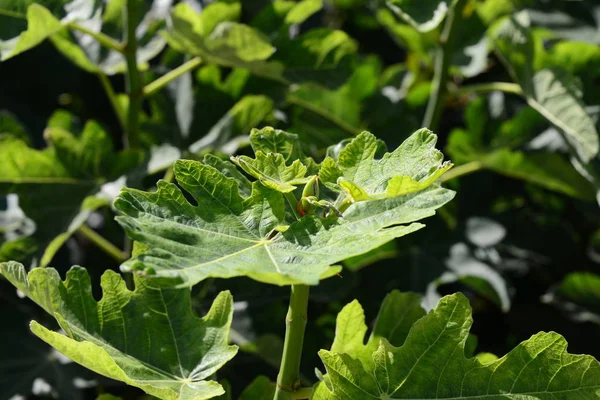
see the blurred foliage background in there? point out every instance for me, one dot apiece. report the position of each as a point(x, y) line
point(521, 239)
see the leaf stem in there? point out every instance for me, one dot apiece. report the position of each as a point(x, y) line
point(461, 170)
point(100, 37)
point(288, 380)
point(112, 97)
point(443, 59)
point(170, 76)
point(102, 243)
point(293, 202)
point(506, 87)
point(134, 86)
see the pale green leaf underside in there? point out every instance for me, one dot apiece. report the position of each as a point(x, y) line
point(225, 234)
point(148, 338)
point(424, 15)
point(430, 362)
point(553, 93)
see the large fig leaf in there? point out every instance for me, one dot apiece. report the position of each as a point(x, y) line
point(430, 362)
point(224, 234)
point(148, 338)
point(553, 93)
point(55, 184)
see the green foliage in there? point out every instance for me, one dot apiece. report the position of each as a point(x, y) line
point(256, 115)
point(123, 337)
point(56, 186)
point(225, 234)
point(428, 361)
point(553, 93)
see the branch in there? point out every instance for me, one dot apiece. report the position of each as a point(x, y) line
point(102, 243)
point(443, 59)
point(170, 76)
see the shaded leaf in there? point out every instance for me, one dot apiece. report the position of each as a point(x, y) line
point(55, 184)
point(123, 337)
point(578, 296)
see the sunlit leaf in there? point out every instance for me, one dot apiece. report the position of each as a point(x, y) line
point(123, 336)
point(224, 234)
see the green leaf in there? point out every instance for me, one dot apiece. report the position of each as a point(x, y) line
point(54, 184)
point(123, 336)
point(40, 25)
point(578, 296)
point(549, 170)
point(398, 312)
point(431, 363)
point(50, 19)
point(423, 15)
point(269, 140)
point(224, 234)
point(229, 43)
point(553, 93)
point(261, 388)
point(272, 172)
point(412, 167)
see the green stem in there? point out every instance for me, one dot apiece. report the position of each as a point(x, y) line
point(293, 202)
point(112, 97)
point(480, 88)
point(288, 380)
point(443, 59)
point(100, 37)
point(134, 85)
point(102, 243)
point(461, 170)
point(164, 80)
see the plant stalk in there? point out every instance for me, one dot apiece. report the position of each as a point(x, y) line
point(170, 76)
point(288, 380)
point(506, 87)
point(134, 85)
point(102, 243)
point(112, 97)
point(293, 202)
point(100, 37)
point(443, 60)
point(461, 170)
